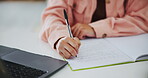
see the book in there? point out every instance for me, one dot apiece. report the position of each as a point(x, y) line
point(95, 53)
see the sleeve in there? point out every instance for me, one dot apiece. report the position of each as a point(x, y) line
point(134, 22)
point(53, 22)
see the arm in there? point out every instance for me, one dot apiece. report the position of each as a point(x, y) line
point(53, 20)
point(134, 22)
point(54, 30)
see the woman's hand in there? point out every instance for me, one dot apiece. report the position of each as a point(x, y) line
point(83, 30)
point(68, 47)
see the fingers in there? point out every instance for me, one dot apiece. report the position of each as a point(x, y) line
point(73, 44)
point(66, 53)
point(61, 54)
point(76, 29)
point(78, 41)
point(68, 47)
point(82, 35)
point(83, 30)
point(77, 34)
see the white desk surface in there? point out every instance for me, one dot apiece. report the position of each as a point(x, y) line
point(19, 28)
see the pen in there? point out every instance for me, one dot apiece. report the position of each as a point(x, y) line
point(68, 25)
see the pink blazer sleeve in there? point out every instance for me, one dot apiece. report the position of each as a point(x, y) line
point(134, 22)
point(54, 26)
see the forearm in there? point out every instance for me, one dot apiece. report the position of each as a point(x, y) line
point(53, 23)
point(126, 26)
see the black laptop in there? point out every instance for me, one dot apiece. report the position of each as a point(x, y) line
point(15, 63)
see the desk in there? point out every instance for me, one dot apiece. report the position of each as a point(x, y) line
point(19, 28)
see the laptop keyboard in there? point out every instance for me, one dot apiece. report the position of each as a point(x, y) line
point(21, 71)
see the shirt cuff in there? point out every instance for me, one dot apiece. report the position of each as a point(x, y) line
point(56, 35)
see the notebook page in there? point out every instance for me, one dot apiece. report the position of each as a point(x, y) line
point(133, 46)
point(97, 52)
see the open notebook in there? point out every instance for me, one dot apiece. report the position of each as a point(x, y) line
point(95, 53)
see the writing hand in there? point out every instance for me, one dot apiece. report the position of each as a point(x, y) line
point(68, 47)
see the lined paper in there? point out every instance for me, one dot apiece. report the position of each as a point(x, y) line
point(97, 52)
point(133, 46)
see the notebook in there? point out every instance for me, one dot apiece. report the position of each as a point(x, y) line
point(96, 53)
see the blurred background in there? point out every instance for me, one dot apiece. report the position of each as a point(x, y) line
point(20, 23)
point(20, 14)
point(22, 0)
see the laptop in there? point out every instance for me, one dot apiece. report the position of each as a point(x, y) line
point(15, 63)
